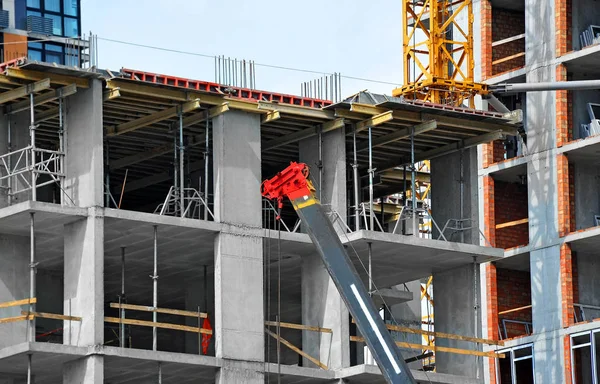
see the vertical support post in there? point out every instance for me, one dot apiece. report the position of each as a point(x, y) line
point(355, 181)
point(475, 310)
point(155, 289)
point(175, 171)
point(122, 300)
point(320, 164)
point(371, 215)
point(107, 175)
point(9, 161)
point(29, 369)
point(181, 154)
point(32, 137)
point(413, 193)
point(370, 269)
point(462, 197)
point(159, 372)
point(61, 148)
point(32, 265)
point(206, 161)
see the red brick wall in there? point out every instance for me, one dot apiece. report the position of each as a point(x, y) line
point(489, 213)
point(510, 204)
point(507, 24)
point(563, 17)
point(492, 312)
point(486, 39)
point(566, 284)
point(564, 107)
point(566, 195)
point(514, 291)
point(567, 355)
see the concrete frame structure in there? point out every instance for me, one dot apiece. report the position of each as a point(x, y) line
point(99, 236)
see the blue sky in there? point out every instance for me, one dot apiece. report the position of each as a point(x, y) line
point(355, 38)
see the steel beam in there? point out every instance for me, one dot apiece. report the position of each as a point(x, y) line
point(26, 74)
point(152, 119)
point(374, 121)
point(304, 134)
point(23, 91)
point(399, 135)
point(42, 99)
point(48, 114)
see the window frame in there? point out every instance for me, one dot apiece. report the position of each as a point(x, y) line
point(513, 360)
point(61, 13)
point(592, 344)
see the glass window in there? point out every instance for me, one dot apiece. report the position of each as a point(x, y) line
point(57, 24)
point(70, 7)
point(581, 358)
point(34, 13)
point(53, 48)
point(34, 55)
point(71, 27)
point(54, 57)
point(35, 45)
point(517, 367)
point(52, 5)
point(33, 3)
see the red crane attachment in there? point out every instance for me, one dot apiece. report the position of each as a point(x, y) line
point(292, 182)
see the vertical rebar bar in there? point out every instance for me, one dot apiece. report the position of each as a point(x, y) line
point(216, 78)
point(181, 162)
point(355, 181)
point(206, 162)
point(122, 301)
point(32, 265)
point(155, 290)
point(32, 137)
point(371, 216)
point(413, 193)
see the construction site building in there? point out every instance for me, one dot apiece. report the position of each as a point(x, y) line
point(136, 247)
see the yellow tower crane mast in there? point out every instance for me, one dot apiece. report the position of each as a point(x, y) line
point(438, 52)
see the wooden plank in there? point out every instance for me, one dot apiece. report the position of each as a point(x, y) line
point(15, 303)
point(512, 223)
point(45, 315)
point(514, 310)
point(296, 349)
point(508, 58)
point(144, 323)
point(508, 40)
point(439, 349)
point(15, 319)
point(299, 326)
point(143, 308)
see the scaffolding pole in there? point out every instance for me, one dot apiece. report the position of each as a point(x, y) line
point(61, 145)
point(356, 181)
point(413, 175)
point(320, 164)
point(175, 170)
point(32, 266)
point(155, 289)
point(9, 160)
point(29, 363)
point(181, 155)
point(371, 217)
point(122, 300)
point(370, 269)
point(32, 137)
point(206, 160)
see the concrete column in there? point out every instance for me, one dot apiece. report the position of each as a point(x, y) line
point(84, 239)
point(14, 285)
point(454, 295)
point(322, 305)
point(408, 314)
point(446, 194)
point(239, 316)
point(84, 146)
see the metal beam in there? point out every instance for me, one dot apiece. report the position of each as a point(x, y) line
point(375, 121)
point(47, 115)
point(42, 99)
point(152, 153)
point(296, 110)
point(111, 94)
point(30, 75)
point(23, 91)
point(270, 117)
point(304, 134)
point(152, 119)
point(155, 179)
point(444, 150)
point(399, 135)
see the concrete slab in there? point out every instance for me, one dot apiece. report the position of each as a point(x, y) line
point(583, 61)
point(398, 259)
point(372, 375)
point(587, 241)
point(586, 151)
point(49, 218)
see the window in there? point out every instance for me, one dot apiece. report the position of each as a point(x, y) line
point(52, 5)
point(34, 55)
point(517, 367)
point(585, 366)
point(33, 3)
point(70, 7)
point(57, 21)
point(71, 27)
point(34, 13)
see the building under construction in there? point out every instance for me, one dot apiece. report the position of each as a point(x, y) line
point(137, 248)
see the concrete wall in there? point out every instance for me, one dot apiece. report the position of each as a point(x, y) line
point(583, 19)
point(458, 317)
point(588, 267)
point(409, 315)
point(446, 195)
point(587, 195)
point(580, 110)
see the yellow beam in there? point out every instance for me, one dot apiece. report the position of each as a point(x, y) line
point(46, 115)
point(270, 117)
point(374, 121)
point(42, 99)
point(30, 75)
point(304, 134)
point(23, 91)
point(16, 303)
point(144, 323)
point(296, 110)
point(111, 94)
point(346, 114)
point(169, 311)
point(296, 349)
point(298, 326)
point(152, 119)
point(54, 316)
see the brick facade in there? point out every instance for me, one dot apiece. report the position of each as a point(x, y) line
point(489, 214)
point(563, 17)
point(507, 24)
point(514, 291)
point(510, 204)
point(492, 312)
point(566, 195)
point(566, 284)
point(564, 108)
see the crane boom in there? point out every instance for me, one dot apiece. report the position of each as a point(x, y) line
point(293, 183)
